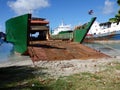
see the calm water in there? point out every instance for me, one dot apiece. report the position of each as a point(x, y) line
point(7, 51)
point(112, 49)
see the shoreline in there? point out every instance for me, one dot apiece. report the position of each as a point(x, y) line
point(103, 41)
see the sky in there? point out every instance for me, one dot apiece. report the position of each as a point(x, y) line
point(73, 12)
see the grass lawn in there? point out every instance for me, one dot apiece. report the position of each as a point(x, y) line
point(29, 78)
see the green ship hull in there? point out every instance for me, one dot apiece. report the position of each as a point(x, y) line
point(78, 35)
point(16, 32)
point(19, 30)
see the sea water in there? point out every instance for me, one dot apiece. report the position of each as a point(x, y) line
point(7, 53)
point(112, 49)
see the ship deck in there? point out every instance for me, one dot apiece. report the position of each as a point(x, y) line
point(61, 50)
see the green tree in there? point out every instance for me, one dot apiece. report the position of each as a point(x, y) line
point(118, 1)
point(117, 16)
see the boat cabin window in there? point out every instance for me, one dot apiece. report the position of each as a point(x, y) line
point(105, 25)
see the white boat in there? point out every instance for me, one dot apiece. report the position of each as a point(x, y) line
point(104, 31)
point(62, 27)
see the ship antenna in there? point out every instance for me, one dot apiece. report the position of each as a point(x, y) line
point(30, 11)
point(62, 22)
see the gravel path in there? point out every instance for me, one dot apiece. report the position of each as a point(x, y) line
point(64, 67)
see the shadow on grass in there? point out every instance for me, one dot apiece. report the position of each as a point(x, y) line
point(19, 77)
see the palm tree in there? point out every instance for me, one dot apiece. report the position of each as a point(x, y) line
point(118, 1)
point(117, 16)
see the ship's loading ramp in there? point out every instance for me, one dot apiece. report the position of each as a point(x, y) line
point(62, 50)
point(21, 32)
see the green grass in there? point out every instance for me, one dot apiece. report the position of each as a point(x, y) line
point(23, 78)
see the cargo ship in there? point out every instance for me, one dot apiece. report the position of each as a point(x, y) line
point(21, 32)
point(61, 28)
point(76, 35)
point(104, 31)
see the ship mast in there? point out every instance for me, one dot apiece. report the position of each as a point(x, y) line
point(30, 11)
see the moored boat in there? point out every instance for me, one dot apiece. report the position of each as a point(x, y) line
point(104, 31)
point(77, 35)
point(2, 36)
point(62, 28)
point(20, 30)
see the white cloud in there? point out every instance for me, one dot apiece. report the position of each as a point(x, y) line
point(108, 7)
point(27, 6)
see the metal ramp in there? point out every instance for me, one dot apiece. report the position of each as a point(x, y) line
point(36, 53)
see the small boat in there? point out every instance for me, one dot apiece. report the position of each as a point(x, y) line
point(104, 31)
point(2, 36)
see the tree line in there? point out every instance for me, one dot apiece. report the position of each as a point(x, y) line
point(117, 16)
